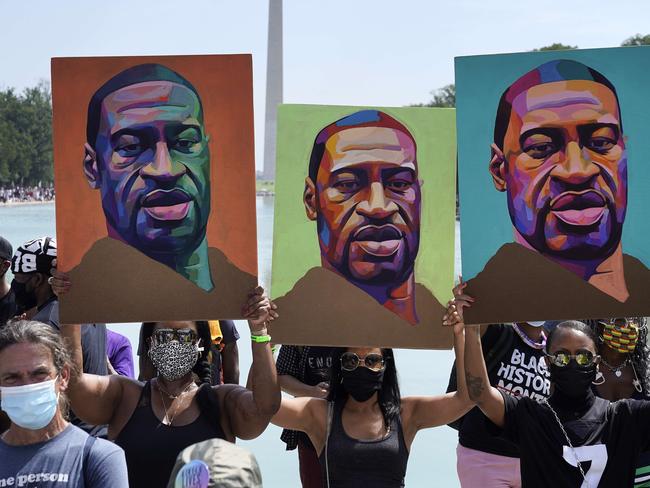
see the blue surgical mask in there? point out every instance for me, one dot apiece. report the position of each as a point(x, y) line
point(30, 406)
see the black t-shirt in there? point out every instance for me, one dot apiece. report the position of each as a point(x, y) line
point(519, 371)
point(607, 439)
point(7, 307)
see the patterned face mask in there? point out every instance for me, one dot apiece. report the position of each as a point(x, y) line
point(620, 335)
point(174, 359)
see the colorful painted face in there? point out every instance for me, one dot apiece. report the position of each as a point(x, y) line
point(368, 197)
point(154, 165)
point(566, 169)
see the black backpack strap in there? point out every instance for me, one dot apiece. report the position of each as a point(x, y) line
point(88, 445)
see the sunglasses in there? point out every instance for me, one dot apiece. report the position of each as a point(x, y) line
point(184, 336)
point(350, 361)
point(562, 359)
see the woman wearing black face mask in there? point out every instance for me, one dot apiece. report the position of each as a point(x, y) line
point(574, 439)
point(364, 430)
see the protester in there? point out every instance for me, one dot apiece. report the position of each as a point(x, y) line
point(22, 194)
point(154, 421)
point(513, 354)
point(31, 264)
point(623, 349)
point(202, 370)
point(218, 356)
point(7, 296)
point(119, 354)
point(574, 438)
point(364, 430)
point(41, 448)
point(225, 353)
point(304, 371)
point(215, 464)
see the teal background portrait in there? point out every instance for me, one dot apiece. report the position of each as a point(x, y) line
point(480, 82)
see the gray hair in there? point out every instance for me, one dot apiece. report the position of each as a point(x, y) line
point(32, 332)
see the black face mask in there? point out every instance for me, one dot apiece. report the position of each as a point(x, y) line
point(362, 382)
point(572, 380)
point(25, 299)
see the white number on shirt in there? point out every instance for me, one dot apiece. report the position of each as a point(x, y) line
point(597, 454)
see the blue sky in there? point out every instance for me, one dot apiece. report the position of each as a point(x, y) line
point(339, 52)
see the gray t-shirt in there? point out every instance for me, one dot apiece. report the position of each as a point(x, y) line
point(58, 463)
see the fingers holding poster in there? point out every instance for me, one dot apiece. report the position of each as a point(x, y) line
point(148, 151)
point(364, 226)
point(564, 234)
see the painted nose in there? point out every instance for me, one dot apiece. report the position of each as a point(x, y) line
point(377, 206)
point(577, 167)
point(163, 167)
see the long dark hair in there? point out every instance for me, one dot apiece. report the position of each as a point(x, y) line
point(389, 397)
point(202, 369)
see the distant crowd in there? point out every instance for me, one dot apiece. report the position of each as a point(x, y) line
point(18, 194)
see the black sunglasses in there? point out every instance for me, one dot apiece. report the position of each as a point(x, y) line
point(184, 336)
point(350, 361)
point(562, 359)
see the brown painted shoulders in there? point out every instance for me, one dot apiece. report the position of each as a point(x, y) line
point(520, 284)
point(325, 309)
point(138, 288)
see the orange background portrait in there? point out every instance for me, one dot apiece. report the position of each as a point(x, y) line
point(224, 84)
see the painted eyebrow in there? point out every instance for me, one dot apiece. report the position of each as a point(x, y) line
point(552, 132)
point(588, 129)
point(388, 172)
point(144, 130)
point(362, 147)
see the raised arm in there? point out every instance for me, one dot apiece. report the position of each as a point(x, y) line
point(488, 398)
point(93, 398)
point(442, 409)
point(250, 409)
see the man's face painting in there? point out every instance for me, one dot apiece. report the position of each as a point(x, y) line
point(368, 197)
point(566, 169)
point(154, 165)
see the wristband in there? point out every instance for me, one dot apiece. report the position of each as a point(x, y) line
point(261, 338)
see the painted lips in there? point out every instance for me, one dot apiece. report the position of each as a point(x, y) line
point(579, 208)
point(381, 241)
point(167, 204)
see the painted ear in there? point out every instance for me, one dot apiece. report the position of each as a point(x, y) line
point(498, 168)
point(309, 198)
point(91, 168)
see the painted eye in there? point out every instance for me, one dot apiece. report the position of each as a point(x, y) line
point(541, 150)
point(601, 144)
point(398, 185)
point(347, 186)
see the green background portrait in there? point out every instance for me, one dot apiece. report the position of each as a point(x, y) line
point(295, 239)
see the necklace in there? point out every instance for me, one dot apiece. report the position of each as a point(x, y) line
point(566, 436)
point(174, 397)
point(617, 370)
point(167, 419)
point(531, 343)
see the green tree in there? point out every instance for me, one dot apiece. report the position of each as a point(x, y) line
point(637, 40)
point(26, 136)
point(556, 46)
point(442, 97)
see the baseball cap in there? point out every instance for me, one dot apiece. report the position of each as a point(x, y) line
point(35, 256)
point(215, 463)
point(6, 251)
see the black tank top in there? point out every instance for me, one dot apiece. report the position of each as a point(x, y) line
point(151, 447)
point(355, 463)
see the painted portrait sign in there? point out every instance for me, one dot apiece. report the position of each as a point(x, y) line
point(364, 226)
point(553, 184)
point(154, 176)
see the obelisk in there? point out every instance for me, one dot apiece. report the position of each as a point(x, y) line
point(273, 86)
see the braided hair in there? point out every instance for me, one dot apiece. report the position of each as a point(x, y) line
point(202, 369)
point(641, 354)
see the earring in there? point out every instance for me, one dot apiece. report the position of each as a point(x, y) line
point(600, 378)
